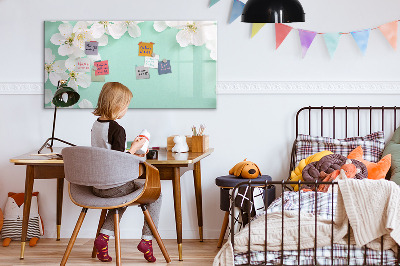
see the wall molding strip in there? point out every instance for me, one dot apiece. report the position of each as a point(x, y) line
point(260, 87)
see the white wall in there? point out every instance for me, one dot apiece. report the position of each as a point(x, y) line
point(259, 127)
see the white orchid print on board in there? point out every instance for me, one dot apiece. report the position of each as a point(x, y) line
point(115, 29)
point(193, 33)
point(76, 78)
point(53, 70)
point(68, 40)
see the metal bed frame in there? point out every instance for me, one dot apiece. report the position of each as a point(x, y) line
point(283, 184)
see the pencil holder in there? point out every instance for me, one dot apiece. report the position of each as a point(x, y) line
point(200, 143)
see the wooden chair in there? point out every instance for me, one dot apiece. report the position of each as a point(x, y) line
point(85, 167)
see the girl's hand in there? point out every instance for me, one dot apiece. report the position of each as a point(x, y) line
point(137, 144)
point(142, 155)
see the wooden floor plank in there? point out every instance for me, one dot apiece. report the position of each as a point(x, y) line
point(49, 252)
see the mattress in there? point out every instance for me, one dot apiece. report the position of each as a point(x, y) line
point(322, 204)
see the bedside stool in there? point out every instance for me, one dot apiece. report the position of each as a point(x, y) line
point(228, 182)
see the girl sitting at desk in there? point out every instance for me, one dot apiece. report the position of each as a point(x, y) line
point(106, 133)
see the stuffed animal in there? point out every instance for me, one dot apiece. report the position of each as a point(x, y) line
point(13, 215)
point(180, 144)
point(245, 169)
point(1, 219)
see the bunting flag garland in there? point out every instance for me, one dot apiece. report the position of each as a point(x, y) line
point(361, 37)
point(332, 41)
point(256, 28)
point(213, 2)
point(281, 31)
point(237, 8)
point(389, 30)
point(306, 39)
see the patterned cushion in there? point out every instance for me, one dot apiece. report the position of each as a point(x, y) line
point(372, 144)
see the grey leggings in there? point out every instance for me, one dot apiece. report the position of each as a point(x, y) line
point(154, 208)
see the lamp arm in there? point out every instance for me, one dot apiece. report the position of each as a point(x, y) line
point(54, 126)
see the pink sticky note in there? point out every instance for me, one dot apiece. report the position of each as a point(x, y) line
point(83, 65)
point(101, 68)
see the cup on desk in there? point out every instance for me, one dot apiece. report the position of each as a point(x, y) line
point(152, 155)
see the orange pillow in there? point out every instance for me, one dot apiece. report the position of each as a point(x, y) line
point(375, 170)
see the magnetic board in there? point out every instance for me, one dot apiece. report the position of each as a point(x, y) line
point(184, 78)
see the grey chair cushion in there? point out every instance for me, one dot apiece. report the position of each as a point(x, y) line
point(83, 196)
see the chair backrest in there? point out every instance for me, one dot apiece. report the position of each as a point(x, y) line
point(92, 166)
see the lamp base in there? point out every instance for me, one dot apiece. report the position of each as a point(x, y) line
point(50, 146)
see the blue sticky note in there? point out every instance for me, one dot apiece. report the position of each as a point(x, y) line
point(164, 68)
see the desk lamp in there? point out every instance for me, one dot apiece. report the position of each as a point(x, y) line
point(273, 11)
point(64, 97)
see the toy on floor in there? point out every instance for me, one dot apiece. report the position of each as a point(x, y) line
point(1, 219)
point(180, 144)
point(245, 169)
point(13, 215)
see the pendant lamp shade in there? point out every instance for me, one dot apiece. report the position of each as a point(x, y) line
point(273, 11)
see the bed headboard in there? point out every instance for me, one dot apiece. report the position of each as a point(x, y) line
point(344, 121)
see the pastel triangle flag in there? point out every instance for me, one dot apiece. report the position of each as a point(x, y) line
point(389, 30)
point(256, 28)
point(213, 2)
point(281, 31)
point(361, 37)
point(306, 39)
point(237, 9)
point(332, 41)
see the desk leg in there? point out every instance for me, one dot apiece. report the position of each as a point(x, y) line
point(197, 189)
point(176, 183)
point(27, 206)
point(60, 190)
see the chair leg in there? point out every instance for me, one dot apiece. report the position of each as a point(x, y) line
point(101, 222)
point(117, 239)
point(154, 230)
point(223, 229)
point(73, 237)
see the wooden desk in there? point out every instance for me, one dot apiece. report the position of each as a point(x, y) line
point(171, 167)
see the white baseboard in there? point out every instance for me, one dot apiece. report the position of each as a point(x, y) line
point(260, 87)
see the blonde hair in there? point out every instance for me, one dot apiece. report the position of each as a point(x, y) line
point(113, 97)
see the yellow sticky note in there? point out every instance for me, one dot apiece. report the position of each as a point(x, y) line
point(145, 48)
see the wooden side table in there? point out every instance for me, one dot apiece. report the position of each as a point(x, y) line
point(226, 183)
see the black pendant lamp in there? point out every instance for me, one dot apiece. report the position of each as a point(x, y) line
point(273, 11)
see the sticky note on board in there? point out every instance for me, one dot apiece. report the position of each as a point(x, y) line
point(142, 72)
point(164, 67)
point(151, 62)
point(83, 65)
point(101, 68)
point(91, 48)
point(100, 78)
point(145, 48)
